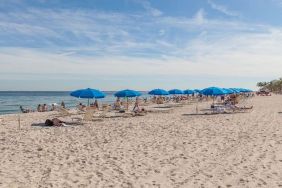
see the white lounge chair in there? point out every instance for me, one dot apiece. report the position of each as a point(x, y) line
point(63, 112)
point(87, 116)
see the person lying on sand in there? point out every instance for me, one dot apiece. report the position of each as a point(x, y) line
point(54, 122)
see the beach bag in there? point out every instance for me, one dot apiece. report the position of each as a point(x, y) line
point(49, 122)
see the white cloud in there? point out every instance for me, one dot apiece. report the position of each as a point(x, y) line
point(200, 17)
point(113, 45)
point(259, 56)
point(222, 9)
point(148, 7)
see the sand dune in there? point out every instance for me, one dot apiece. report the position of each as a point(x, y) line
point(157, 150)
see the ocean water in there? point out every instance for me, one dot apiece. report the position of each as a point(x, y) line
point(10, 101)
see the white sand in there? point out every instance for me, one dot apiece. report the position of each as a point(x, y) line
point(157, 150)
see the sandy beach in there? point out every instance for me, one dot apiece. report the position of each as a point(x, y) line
point(157, 150)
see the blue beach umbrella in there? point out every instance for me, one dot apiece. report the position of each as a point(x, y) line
point(88, 94)
point(240, 89)
point(188, 92)
point(228, 91)
point(213, 91)
point(235, 90)
point(243, 90)
point(158, 92)
point(175, 92)
point(127, 93)
point(197, 90)
point(248, 90)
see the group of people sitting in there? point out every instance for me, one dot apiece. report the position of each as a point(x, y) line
point(41, 108)
point(229, 102)
point(120, 106)
point(83, 107)
point(44, 108)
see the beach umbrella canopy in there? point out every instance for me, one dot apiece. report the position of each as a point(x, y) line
point(228, 91)
point(197, 90)
point(158, 92)
point(88, 93)
point(248, 90)
point(240, 89)
point(188, 91)
point(235, 90)
point(243, 90)
point(213, 91)
point(127, 93)
point(175, 91)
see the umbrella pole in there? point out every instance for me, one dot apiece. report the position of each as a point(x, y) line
point(19, 120)
point(197, 109)
point(88, 102)
point(127, 103)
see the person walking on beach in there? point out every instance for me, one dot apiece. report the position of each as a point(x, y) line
point(136, 107)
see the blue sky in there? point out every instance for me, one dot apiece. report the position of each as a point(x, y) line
point(138, 44)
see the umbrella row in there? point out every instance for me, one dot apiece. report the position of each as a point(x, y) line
point(212, 91)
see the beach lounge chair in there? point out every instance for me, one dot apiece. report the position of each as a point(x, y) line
point(161, 110)
point(115, 115)
point(63, 112)
point(235, 109)
point(219, 109)
point(87, 116)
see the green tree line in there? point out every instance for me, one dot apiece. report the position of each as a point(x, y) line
point(273, 86)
